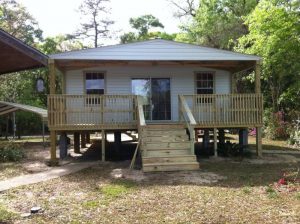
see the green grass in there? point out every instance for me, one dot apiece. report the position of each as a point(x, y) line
point(90, 204)
point(117, 188)
point(6, 215)
point(246, 190)
point(272, 193)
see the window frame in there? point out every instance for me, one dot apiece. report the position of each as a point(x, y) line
point(196, 80)
point(84, 81)
point(87, 103)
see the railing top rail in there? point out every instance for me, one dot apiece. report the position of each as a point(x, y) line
point(222, 94)
point(94, 95)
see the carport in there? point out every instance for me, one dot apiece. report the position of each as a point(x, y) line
point(17, 56)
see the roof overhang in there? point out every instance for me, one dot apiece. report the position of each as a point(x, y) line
point(16, 56)
point(232, 66)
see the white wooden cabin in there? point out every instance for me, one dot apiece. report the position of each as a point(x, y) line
point(163, 89)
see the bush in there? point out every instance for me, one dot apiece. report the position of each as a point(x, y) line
point(275, 125)
point(294, 132)
point(11, 152)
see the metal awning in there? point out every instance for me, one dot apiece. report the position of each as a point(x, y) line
point(8, 107)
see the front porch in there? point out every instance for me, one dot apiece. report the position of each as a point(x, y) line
point(163, 145)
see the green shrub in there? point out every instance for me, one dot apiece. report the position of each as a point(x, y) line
point(6, 215)
point(11, 152)
point(275, 125)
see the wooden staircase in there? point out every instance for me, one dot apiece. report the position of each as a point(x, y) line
point(166, 147)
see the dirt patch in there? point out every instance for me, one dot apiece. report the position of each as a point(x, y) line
point(34, 162)
point(182, 177)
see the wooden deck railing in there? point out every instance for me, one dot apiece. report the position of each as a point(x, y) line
point(74, 112)
point(186, 115)
point(226, 110)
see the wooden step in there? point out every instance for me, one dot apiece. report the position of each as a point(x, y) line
point(158, 133)
point(170, 166)
point(173, 138)
point(166, 152)
point(166, 145)
point(170, 159)
point(165, 126)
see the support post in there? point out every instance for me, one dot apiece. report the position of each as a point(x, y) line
point(52, 76)
point(257, 77)
point(206, 139)
point(103, 145)
point(221, 137)
point(76, 142)
point(83, 142)
point(14, 125)
point(258, 91)
point(53, 148)
point(63, 82)
point(43, 130)
point(63, 146)
point(7, 127)
point(88, 138)
point(215, 142)
point(243, 137)
point(258, 142)
point(192, 139)
point(117, 142)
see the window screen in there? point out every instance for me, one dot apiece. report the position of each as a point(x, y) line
point(205, 83)
point(94, 83)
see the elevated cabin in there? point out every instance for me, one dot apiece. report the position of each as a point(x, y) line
point(163, 89)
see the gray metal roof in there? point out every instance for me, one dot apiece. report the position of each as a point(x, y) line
point(8, 107)
point(155, 50)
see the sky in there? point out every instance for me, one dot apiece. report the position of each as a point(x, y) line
point(62, 16)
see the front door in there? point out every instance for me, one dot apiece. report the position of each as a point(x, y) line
point(156, 94)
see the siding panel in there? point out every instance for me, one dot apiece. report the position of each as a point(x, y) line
point(118, 80)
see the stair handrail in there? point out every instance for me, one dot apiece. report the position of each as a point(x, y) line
point(140, 112)
point(186, 113)
point(141, 122)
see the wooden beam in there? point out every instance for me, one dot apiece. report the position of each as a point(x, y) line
point(83, 140)
point(9, 111)
point(88, 138)
point(257, 77)
point(258, 142)
point(226, 65)
point(76, 142)
point(221, 136)
point(53, 147)
point(215, 142)
point(52, 75)
point(63, 145)
point(103, 145)
point(63, 82)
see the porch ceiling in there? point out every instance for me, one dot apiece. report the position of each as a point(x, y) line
point(232, 66)
point(17, 56)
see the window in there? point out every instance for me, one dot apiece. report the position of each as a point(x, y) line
point(205, 83)
point(94, 83)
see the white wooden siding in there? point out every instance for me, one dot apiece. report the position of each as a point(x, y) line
point(118, 81)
